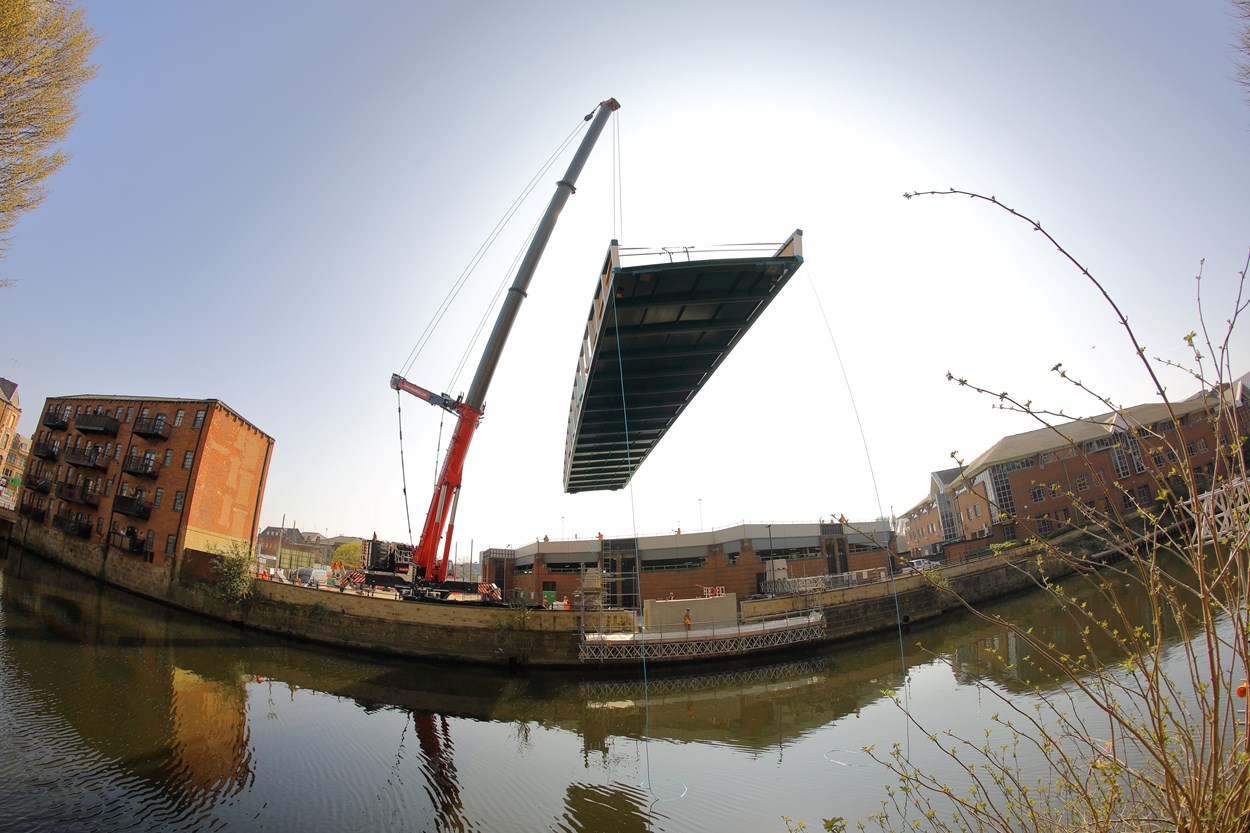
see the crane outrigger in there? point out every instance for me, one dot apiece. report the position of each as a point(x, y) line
point(428, 569)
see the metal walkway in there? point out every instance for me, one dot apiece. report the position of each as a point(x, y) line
point(746, 639)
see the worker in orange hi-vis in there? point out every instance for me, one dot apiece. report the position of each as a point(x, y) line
point(687, 618)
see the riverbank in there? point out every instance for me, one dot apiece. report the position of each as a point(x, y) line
point(520, 636)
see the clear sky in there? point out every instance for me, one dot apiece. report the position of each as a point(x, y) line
point(267, 202)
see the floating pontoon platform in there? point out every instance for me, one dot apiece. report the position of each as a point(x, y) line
point(725, 641)
point(655, 334)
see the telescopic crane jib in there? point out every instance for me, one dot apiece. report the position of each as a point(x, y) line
point(442, 512)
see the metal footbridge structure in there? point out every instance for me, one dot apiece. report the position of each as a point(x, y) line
point(655, 334)
point(727, 641)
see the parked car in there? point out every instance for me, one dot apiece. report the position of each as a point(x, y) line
point(918, 564)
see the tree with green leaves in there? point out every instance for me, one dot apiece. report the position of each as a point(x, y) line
point(233, 573)
point(348, 553)
point(45, 46)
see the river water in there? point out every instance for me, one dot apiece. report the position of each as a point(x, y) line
point(120, 714)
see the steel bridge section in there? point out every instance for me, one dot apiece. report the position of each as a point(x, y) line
point(655, 334)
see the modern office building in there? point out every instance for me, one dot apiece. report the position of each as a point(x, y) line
point(739, 559)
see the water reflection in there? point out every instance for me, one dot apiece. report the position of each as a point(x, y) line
point(146, 718)
point(594, 807)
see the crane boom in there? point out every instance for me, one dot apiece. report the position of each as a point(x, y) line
point(442, 512)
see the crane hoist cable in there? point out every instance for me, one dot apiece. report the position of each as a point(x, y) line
point(482, 250)
point(445, 305)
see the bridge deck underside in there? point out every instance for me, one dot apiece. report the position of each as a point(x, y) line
point(663, 330)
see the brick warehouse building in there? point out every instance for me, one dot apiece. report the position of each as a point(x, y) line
point(147, 478)
point(1050, 480)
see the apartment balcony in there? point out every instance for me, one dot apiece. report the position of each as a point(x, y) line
point(72, 526)
point(35, 513)
point(46, 450)
point(55, 419)
point(78, 493)
point(129, 543)
point(37, 483)
point(153, 428)
point(141, 466)
point(87, 458)
point(132, 505)
point(97, 424)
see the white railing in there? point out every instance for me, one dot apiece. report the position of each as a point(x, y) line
point(708, 639)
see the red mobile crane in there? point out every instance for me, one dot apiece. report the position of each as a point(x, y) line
point(442, 512)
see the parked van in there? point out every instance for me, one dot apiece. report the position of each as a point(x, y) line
point(310, 576)
point(918, 564)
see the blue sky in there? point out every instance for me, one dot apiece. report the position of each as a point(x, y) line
point(267, 202)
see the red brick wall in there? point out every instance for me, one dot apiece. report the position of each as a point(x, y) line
point(229, 478)
point(740, 577)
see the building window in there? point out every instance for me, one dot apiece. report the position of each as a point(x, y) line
point(1121, 462)
point(143, 413)
point(1201, 444)
point(1082, 483)
point(1037, 494)
point(199, 419)
point(99, 525)
point(170, 542)
point(158, 497)
point(549, 586)
point(108, 487)
point(130, 412)
point(178, 497)
point(169, 457)
point(187, 459)
point(178, 417)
